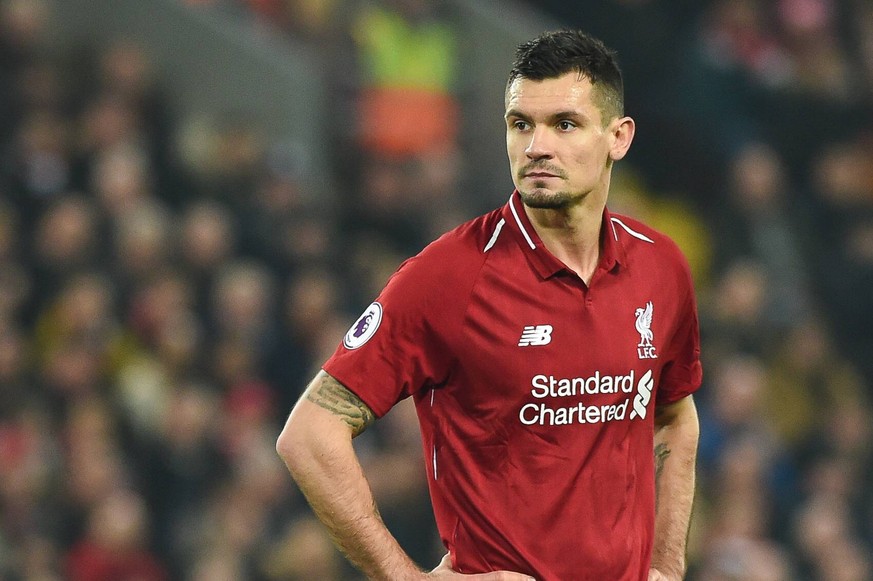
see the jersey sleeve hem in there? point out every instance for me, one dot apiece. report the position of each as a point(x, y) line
point(377, 410)
point(681, 390)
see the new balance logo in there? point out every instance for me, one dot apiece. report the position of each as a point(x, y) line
point(535, 335)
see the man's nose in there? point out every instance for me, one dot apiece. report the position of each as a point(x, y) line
point(540, 146)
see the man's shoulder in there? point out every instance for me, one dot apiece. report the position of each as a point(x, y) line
point(648, 250)
point(461, 247)
point(442, 275)
point(637, 236)
point(448, 265)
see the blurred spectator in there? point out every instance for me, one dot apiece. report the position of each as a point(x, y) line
point(40, 165)
point(238, 163)
point(65, 241)
point(843, 187)
point(404, 101)
point(736, 54)
point(186, 465)
point(745, 560)
point(734, 317)
point(407, 55)
point(809, 381)
point(303, 552)
point(112, 549)
point(23, 40)
point(207, 239)
point(74, 339)
point(311, 20)
point(758, 222)
point(243, 304)
point(311, 314)
point(733, 410)
point(862, 24)
point(829, 548)
point(811, 35)
point(120, 178)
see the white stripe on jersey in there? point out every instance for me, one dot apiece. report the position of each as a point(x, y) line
point(521, 226)
point(633, 233)
point(495, 235)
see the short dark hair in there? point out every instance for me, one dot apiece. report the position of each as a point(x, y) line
point(553, 54)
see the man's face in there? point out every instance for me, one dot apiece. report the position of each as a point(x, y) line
point(559, 149)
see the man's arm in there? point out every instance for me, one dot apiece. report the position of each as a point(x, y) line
point(316, 445)
point(676, 435)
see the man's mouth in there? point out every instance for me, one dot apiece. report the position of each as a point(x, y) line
point(541, 171)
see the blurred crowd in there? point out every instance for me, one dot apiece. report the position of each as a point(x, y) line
point(169, 285)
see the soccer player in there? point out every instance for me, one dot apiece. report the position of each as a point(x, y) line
point(551, 348)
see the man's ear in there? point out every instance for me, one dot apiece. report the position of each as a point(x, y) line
point(622, 129)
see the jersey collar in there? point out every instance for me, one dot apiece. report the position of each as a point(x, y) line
point(543, 261)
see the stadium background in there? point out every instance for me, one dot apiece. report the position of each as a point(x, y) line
point(198, 197)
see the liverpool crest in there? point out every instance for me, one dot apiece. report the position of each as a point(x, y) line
point(645, 349)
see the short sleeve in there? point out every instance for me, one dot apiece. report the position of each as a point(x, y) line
point(399, 345)
point(683, 373)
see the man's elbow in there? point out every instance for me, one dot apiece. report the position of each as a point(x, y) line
point(284, 444)
point(291, 445)
point(311, 434)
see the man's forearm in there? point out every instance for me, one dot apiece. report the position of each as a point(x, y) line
point(316, 446)
point(676, 437)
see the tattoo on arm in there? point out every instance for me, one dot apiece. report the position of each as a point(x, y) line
point(330, 394)
point(661, 453)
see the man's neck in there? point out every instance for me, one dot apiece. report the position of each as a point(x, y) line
point(572, 235)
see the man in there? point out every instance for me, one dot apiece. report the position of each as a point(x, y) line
point(551, 348)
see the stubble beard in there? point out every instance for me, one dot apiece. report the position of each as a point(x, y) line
point(540, 196)
point(543, 199)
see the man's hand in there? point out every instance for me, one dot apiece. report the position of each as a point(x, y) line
point(444, 571)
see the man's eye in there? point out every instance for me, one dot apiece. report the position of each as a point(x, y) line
point(521, 125)
point(566, 125)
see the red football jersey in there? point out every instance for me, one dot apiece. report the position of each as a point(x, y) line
point(535, 392)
